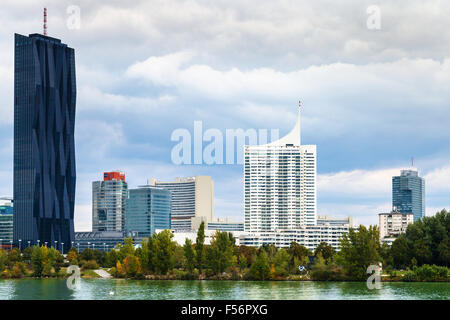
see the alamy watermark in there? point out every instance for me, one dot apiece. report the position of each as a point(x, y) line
point(373, 21)
point(374, 280)
point(74, 17)
point(73, 281)
point(213, 146)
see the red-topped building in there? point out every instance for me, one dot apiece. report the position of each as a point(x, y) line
point(113, 175)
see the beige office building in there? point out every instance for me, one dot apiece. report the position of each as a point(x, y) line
point(192, 197)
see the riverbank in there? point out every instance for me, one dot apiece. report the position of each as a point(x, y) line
point(122, 289)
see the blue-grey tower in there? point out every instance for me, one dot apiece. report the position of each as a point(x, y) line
point(408, 193)
point(44, 146)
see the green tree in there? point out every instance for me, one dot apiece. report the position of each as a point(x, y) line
point(444, 252)
point(165, 249)
point(242, 261)
point(37, 261)
point(220, 253)
point(325, 250)
point(400, 253)
point(189, 254)
point(3, 259)
point(112, 258)
point(298, 255)
point(199, 246)
point(151, 246)
point(359, 249)
point(260, 269)
point(87, 254)
point(248, 252)
point(281, 263)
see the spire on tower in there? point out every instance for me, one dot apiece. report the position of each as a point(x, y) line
point(45, 21)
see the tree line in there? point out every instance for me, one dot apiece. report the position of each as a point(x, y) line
point(423, 252)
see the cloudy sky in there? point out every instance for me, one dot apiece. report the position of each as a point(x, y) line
point(373, 98)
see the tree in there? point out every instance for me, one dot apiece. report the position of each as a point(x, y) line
point(151, 246)
point(87, 254)
point(72, 255)
point(37, 260)
point(132, 266)
point(325, 250)
point(3, 259)
point(359, 249)
point(220, 252)
point(189, 254)
point(199, 246)
point(400, 253)
point(260, 269)
point(444, 252)
point(242, 261)
point(112, 258)
point(298, 255)
point(281, 263)
point(248, 252)
point(164, 249)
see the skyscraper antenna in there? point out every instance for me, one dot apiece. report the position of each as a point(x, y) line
point(412, 162)
point(45, 21)
point(299, 104)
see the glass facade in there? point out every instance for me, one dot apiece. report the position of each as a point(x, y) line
point(6, 225)
point(408, 193)
point(44, 146)
point(103, 241)
point(148, 208)
point(108, 205)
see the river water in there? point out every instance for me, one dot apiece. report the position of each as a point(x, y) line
point(100, 289)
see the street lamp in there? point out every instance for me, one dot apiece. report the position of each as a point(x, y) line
point(10, 242)
point(78, 245)
point(62, 248)
point(29, 243)
point(56, 241)
point(104, 246)
point(20, 244)
point(45, 243)
point(38, 242)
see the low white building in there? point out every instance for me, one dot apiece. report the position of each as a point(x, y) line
point(326, 230)
point(180, 236)
point(393, 224)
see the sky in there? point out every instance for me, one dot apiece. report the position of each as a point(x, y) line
point(374, 94)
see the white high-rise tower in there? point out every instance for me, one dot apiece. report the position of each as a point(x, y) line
point(280, 184)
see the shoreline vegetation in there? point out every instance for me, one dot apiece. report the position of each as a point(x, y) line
point(422, 254)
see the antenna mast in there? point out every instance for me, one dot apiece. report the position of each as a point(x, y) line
point(45, 21)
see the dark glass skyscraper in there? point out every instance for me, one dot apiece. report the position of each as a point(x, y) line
point(408, 193)
point(44, 146)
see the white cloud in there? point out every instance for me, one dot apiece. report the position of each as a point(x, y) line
point(359, 183)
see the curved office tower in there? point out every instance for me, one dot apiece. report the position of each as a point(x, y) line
point(280, 184)
point(44, 146)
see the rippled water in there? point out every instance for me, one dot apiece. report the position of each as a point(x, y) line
point(99, 289)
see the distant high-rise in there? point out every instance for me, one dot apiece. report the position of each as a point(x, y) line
point(44, 146)
point(6, 222)
point(109, 202)
point(148, 209)
point(191, 197)
point(408, 193)
point(280, 184)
